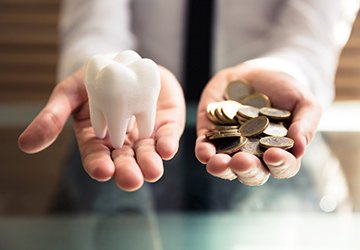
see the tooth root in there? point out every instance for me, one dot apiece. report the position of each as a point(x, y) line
point(98, 122)
point(146, 123)
point(117, 126)
point(131, 123)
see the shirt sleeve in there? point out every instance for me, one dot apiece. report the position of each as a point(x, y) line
point(306, 42)
point(89, 27)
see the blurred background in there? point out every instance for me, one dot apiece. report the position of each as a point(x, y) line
point(28, 56)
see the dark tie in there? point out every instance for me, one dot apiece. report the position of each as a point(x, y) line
point(196, 74)
point(198, 47)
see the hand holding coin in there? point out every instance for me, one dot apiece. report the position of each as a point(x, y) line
point(255, 127)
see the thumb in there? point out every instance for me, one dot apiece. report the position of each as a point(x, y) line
point(48, 124)
point(304, 126)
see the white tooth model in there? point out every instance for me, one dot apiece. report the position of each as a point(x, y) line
point(120, 87)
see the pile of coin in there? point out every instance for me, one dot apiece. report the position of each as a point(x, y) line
point(245, 121)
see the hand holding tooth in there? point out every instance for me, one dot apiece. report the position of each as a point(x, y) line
point(137, 160)
point(119, 88)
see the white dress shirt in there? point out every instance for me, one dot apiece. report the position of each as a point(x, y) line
point(300, 37)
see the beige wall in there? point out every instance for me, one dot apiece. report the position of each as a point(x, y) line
point(28, 49)
point(28, 56)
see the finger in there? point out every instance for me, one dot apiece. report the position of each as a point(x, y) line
point(204, 150)
point(170, 117)
point(249, 169)
point(149, 160)
point(48, 124)
point(128, 175)
point(95, 155)
point(218, 167)
point(281, 163)
point(43, 130)
point(303, 126)
point(167, 140)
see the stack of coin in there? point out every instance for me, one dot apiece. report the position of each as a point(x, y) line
point(245, 121)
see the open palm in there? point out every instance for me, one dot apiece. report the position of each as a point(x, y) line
point(285, 93)
point(138, 160)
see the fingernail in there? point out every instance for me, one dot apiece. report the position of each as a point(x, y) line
point(228, 174)
point(256, 178)
point(276, 163)
point(305, 141)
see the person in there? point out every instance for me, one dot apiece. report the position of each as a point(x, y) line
point(286, 49)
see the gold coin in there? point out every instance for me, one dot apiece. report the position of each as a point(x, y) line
point(279, 142)
point(274, 113)
point(219, 116)
point(227, 131)
point(252, 146)
point(211, 133)
point(229, 109)
point(222, 118)
point(247, 111)
point(224, 135)
point(242, 117)
point(254, 126)
point(210, 109)
point(226, 127)
point(230, 145)
point(257, 100)
point(276, 129)
point(237, 90)
point(241, 120)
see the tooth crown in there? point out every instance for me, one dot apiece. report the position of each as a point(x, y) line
point(120, 87)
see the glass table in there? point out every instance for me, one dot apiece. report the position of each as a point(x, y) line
point(211, 231)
